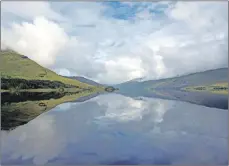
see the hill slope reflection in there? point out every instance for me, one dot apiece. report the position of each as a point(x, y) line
point(114, 129)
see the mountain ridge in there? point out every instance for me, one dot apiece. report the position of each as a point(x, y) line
point(142, 79)
point(85, 80)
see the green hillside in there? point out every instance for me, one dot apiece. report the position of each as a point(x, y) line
point(16, 66)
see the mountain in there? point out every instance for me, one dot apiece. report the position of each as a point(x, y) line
point(208, 88)
point(195, 79)
point(208, 77)
point(213, 81)
point(17, 69)
point(85, 80)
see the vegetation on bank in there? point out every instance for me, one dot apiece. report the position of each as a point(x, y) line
point(99, 89)
point(218, 88)
point(17, 83)
point(110, 89)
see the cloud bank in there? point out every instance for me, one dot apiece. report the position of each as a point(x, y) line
point(113, 42)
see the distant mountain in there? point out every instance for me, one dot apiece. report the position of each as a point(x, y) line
point(85, 80)
point(208, 77)
point(200, 78)
point(208, 88)
point(194, 79)
point(141, 79)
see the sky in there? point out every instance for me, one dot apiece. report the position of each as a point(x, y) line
point(114, 42)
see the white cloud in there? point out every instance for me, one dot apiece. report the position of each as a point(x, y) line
point(29, 10)
point(202, 16)
point(40, 40)
point(64, 72)
point(187, 37)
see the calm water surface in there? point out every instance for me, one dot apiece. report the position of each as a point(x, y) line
point(115, 129)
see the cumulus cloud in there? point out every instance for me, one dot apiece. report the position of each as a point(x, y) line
point(40, 40)
point(97, 40)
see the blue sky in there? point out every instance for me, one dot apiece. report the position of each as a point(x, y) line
point(123, 11)
point(128, 11)
point(113, 42)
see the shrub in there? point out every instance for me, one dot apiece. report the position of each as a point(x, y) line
point(32, 84)
point(110, 89)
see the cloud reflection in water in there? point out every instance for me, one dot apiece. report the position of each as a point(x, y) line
point(114, 129)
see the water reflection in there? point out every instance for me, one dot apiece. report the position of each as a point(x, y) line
point(20, 108)
point(114, 129)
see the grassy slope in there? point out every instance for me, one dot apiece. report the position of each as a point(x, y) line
point(14, 66)
point(210, 88)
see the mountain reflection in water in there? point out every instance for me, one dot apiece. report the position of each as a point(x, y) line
point(115, 129)
point(20, 108)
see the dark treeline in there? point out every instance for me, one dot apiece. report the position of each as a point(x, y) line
point(32, 84)
point(29, 96)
